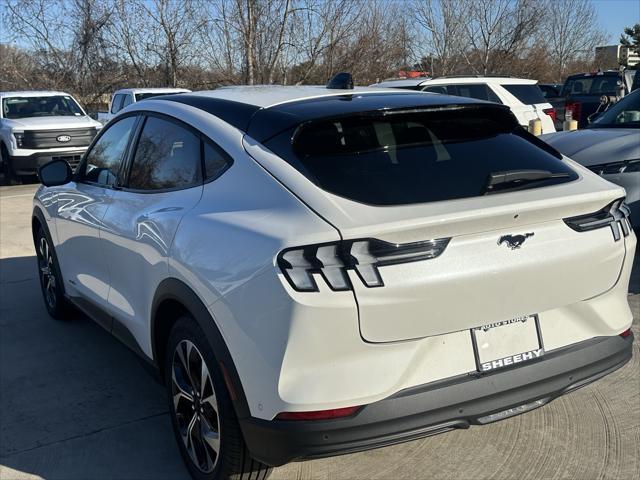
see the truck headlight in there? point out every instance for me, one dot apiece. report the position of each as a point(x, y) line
point(18, 136)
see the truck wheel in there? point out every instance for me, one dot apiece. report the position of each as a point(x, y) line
point(7, 167)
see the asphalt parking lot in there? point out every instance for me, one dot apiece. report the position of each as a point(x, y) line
point(76, 404)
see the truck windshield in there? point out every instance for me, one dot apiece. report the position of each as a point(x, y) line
point(47, 106)
point(144, 96)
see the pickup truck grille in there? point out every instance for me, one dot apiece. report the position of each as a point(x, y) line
point(37, 139)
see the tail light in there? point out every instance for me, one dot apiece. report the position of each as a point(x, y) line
point(615, 215)
point(575, 108)
point(626, 333)
point(551, 112)
point(334, 260)
point(318, 414)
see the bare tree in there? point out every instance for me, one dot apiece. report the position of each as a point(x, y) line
point(570, 32)
point(444, 25)
point(497, 30)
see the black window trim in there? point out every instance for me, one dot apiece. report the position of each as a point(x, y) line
point(83, 161)
point(133, 145)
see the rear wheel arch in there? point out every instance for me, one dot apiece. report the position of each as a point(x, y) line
point(172, 300)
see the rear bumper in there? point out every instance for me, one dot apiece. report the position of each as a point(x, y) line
point(440, 406)
point(28, 165)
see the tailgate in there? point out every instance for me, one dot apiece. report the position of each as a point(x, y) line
point(487, 277)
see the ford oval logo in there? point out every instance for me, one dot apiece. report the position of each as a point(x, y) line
point(63, 138)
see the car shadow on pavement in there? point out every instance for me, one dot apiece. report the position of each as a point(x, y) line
point(74, 402)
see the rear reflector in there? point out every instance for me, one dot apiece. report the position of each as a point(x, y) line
point(551, 112)
point(318, 414)
point(626, 333)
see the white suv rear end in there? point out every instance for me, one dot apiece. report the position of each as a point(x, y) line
point(522, 96)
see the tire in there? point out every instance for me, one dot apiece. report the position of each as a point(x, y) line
point(207, 412)
point(50, 278)
point(10, 177)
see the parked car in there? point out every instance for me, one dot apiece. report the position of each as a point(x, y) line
point(584, 92)
point(610, 147)
point(318, 271)
point(39, 126)
point(522, 96)
point(126, 96)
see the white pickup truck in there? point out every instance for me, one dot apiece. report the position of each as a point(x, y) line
point(127, 96)
point(39, 126)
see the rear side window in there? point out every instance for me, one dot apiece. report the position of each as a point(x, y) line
point(167, 156)
point(479, 91)
point(127, 100)
point(216, 161)
point(407, 158)
point(527, 94)
point(595, 85)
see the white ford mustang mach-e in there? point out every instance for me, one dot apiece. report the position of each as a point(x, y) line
point(317, 271)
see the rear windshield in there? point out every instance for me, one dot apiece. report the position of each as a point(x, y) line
point(595, 85)
point(144, 96)
point(527, 94)
point(414, 157)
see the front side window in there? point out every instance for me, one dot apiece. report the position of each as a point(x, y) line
point(167, 156)
point(46, 106)
point(415, 157)
point(116, 104)
point(102, 163)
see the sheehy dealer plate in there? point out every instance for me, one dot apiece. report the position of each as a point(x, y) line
point(506, 343)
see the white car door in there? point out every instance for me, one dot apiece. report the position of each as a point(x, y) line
point(81, 207)
point(164, 183)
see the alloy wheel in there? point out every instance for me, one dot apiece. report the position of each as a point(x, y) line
point(47, 273)
point(195, 406)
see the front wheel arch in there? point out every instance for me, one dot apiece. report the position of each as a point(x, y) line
point(174, 298)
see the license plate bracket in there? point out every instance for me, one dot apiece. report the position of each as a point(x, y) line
point(507, 343)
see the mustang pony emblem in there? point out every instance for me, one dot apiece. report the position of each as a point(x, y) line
point(514, 241)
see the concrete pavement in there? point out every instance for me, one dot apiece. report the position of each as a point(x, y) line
point(76, 404)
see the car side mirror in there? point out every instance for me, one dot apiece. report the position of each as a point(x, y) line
point(54, 173)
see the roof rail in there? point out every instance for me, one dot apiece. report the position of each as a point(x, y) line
point(504, 75)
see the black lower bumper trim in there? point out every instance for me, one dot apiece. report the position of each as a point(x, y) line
point(440, 406)
point(28, 165)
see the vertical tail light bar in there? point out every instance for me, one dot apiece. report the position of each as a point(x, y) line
point(334, 260)
point(616, 215)
point(551, 112)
